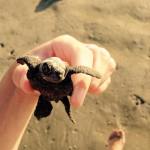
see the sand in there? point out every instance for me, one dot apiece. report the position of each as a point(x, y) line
point(123, 27)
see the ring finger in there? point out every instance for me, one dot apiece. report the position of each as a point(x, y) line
point(104, 64)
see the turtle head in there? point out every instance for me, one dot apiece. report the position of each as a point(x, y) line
point(53, 70)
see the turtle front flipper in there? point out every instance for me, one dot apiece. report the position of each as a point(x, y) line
point(30, 61)
point(66, 103)
point(43, 108)
point(85, 70)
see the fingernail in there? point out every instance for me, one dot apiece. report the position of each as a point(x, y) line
point(24, 84)
point(26, 87)
point(78, 96)
point(22, 81)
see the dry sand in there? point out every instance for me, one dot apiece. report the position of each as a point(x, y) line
point(123, 27)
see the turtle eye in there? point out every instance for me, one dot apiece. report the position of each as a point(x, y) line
point(46, 69)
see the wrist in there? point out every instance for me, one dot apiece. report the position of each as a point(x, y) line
point(16, 108)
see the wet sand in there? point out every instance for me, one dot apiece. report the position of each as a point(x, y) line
point(123, 27)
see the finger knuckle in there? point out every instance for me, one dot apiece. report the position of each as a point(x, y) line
point(87, 53)
point(67, 36)
point(112, 64)
point(105, 52)
point(92, 46)
point(63, 38)
point(69, 39)
point(109, 81)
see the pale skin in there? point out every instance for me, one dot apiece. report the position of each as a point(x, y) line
point(18, 100)
point(116, 140)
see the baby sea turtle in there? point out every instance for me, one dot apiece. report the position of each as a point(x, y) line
point(52, 78)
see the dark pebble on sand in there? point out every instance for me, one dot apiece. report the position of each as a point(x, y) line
point(2, 44)
point(12, 52)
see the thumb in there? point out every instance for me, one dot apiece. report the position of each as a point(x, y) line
point(20, 80)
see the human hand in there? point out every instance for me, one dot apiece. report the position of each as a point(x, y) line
point(74, 53)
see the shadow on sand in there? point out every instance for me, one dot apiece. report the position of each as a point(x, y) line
point(44, 4)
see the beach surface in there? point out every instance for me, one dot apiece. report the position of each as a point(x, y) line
point(122, 27)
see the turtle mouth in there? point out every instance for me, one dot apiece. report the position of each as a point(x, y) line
point(53, 77)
